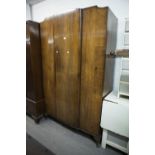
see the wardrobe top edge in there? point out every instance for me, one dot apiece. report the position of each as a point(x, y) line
point(77, 9)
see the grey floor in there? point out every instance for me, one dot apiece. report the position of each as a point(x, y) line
point(33, 147)
point(63, 141)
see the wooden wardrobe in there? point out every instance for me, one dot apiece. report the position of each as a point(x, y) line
point(78, 65)
point(34, 87)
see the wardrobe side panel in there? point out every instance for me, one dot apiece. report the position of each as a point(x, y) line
point(111, 47)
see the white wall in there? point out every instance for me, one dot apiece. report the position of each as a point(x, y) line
point(120, 8)
point(28, 12)
point(52, 7)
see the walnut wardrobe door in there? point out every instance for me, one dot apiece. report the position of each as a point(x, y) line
point(47, 44)
point(67, 59)
point(94, 33)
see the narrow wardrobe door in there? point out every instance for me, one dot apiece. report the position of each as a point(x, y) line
point(67, 57)
point(48, 65)
point(93, 56)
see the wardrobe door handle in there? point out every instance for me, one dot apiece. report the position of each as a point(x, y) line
point(57, 52)
point(112, 53)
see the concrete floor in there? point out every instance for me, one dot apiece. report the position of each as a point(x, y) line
point(35, 148)
point(63, 141)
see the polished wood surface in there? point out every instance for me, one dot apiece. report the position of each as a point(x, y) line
point(61, 66)
point(67, 44)
point(94, 37)
point(29, 83)
point(75, 64)
point(48, 62)
point(34, 90)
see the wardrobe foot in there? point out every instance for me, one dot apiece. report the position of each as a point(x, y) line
point(97, 140)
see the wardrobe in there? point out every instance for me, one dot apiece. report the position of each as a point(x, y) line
point(34, 87)
point(78, 64)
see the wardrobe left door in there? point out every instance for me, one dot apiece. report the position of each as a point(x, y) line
point(48, 62)
point(67, 45)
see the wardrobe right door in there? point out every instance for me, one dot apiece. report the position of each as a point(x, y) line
point(94, 36)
